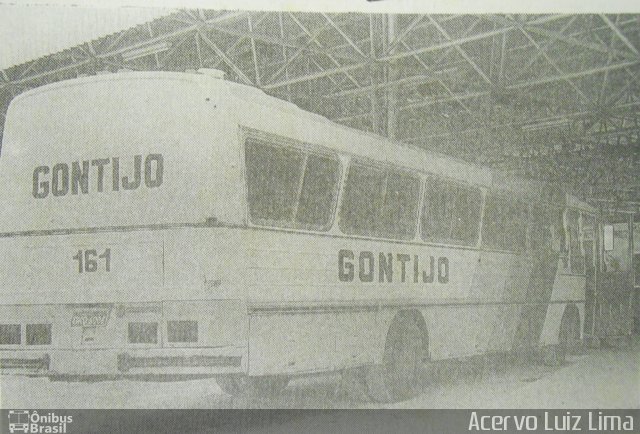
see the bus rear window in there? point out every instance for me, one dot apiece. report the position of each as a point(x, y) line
point(451, 213)
point(290, 188)
point(379, 202)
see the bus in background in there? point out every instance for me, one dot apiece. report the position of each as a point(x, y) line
point(172, 224)
point(612, 308)
point(636, 276)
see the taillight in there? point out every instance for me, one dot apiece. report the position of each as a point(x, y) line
point(143, 332)
point(182, 331)
point(10, 334)
point(38, 334)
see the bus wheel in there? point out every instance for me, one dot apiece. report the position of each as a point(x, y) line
point(398, 377)
point(239, 384)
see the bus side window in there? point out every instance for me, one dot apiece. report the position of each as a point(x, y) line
point(466, 222)
point(399, 213)
point(493, 234)
point(558, 233)
point(319, 191)
point(539, 231)
point(505, 224)
point(515, 226)
point(589, 243)
point(379, 202)
point(273, 177)
point(451, 213)
point(288, 187)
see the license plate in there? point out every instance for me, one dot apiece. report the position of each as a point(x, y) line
point(92, 318)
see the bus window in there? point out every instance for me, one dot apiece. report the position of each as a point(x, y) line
point(318, 192)
point(608, 237)
point(516, 226)
point(290, 188)
point(557, 232)
point(379, 202)
point(539, 230)
point(399, 212)
point(576, 258)
point(451, 213)
point(493, 225)
point(589, 241)
point(505, 224)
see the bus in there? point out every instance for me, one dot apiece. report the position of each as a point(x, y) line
point(165, 224)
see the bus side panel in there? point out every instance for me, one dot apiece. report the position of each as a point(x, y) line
point(317, 341)
point(314, 341)
point(342, 309)
point(292, 267)
point(567, 289)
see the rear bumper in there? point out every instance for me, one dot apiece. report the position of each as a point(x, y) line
point(123, 362)
point(24, 364)
point(202, 337)
point(156, 364)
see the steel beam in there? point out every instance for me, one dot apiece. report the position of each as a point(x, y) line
point(550, 120)
point(570, 75)
point(345, 36)
point(253, 51)
point(300, 50)
point(332, 58)
point(240, 40)
point(620, 35)
point(443, 45)
point(314, 76)
point(462, 52)
point(415, 79)
point(543, 48)
point(554, 65)
point(175, 48)
point(274, 40)
point(397, 56)
point(404, 33)
point(579, 43)
point(224, 57)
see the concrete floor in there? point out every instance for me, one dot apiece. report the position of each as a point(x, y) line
point(599, 378)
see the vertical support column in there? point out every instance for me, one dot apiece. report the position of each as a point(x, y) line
point(503, 52)
point(284, 56)
point(254, 52)
point(375, 105)
point(392, 75)
point(599, 259)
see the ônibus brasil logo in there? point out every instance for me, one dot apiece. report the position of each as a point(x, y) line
point(25, 421)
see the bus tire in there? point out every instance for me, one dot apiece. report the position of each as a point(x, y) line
point(240, 384)
point(398, 377)
point(568, 338)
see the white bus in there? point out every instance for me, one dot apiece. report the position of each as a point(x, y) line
point(177, 224)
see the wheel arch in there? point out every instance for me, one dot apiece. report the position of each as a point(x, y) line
point(404, 315)
point(556, 312)
point(572, 313)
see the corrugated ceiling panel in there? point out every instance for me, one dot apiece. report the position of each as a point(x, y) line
point(29, 32)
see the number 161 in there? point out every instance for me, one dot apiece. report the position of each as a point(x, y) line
point(89, 261)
